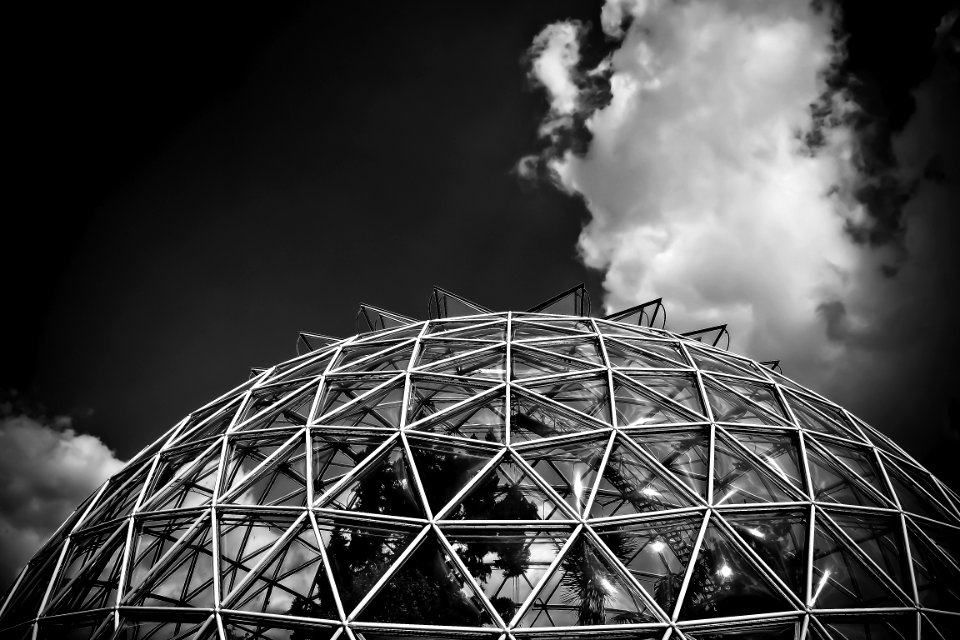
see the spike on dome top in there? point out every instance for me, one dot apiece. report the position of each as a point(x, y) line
point(506, 473)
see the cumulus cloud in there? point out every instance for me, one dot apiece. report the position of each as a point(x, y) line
point(725, 174)
point(46, 470)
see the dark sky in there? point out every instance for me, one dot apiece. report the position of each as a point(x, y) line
point(193, 185)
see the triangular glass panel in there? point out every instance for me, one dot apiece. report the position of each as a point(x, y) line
point(81, 550)
point(245, 541)
point(445, 595)
point(896, 627)
point(506, 492)
point(727, 406)
point(485, 332)
point(132, 628)
point(621, 355)
point(280, 482)
point(212, 421)
point(938, 579)
point(380, 409)
point(532, 418)
point(912, 498)
point(808, 418)
point(507, 563)
point(471, 329)
point(834, 483)
point(96, 583)
point(860, 460)
point(308, 369)
point(292, 411)
point(738, 479)
point(186, 577)
point(121, 496)
point(570, 469)
point(153, 537)
point(584, 349)
point(385, 486)
point(360, 552)
point(841, 579)
point(657, 553)
point(444, 304)
point(777, 449)
point(336, 454)
point(725, 582)
point(573, 302)
point(437, 350)
point(429, 396)
point(245, 452)
point(482, 419)
point(681, 389)
point(341, 390)
point(395, 359)
point(192, 486)
point(686, 453)
point(779, 538)
point(880, 538)
point(706, 361)
point(445, 468)
point(588, 395)
point(630, 484)
point(292, 582)
point(527, 363)
point(489, 363)
point(637, 407)
point(758, 393)
point(586, 588)
point(532, 330)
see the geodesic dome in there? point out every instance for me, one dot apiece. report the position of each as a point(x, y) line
point(507, 476)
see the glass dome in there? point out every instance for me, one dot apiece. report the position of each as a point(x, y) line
point(507, 475)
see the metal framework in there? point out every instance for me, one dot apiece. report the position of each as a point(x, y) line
point(506, 476)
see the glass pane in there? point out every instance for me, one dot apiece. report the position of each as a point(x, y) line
point(583, 349)
point(586, 395)
point(738, 479)
point(624, 356)
point(680, 388)
point(532, 418)
point(245, 541)
point(430, 396)
point(507, 564)
point(490, 364)
point(629, 484)
point(483, 419)
point(569, 469)
point(507, 492)
point(385, 486)
point(729, 407)
point(834, 483)
point(780, 539)
point(779, 450)
point(428, 589)
point(636, 407)
point(532, 364)
point(684, 452)
point(724, 582)
point(586, 589)
point(880, 538)
point(445, 468)
point(657, 553)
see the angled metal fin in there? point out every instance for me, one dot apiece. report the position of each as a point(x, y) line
point(371, 318)
point(444, 304)
point(307, 342)
point(572, 302)
point(642, 315)
point(773, 365)
point(710, 335)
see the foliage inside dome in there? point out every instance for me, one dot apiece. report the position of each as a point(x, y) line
point(510, 473)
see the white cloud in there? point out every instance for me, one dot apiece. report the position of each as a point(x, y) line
point(45, 473)
point(701, 191)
